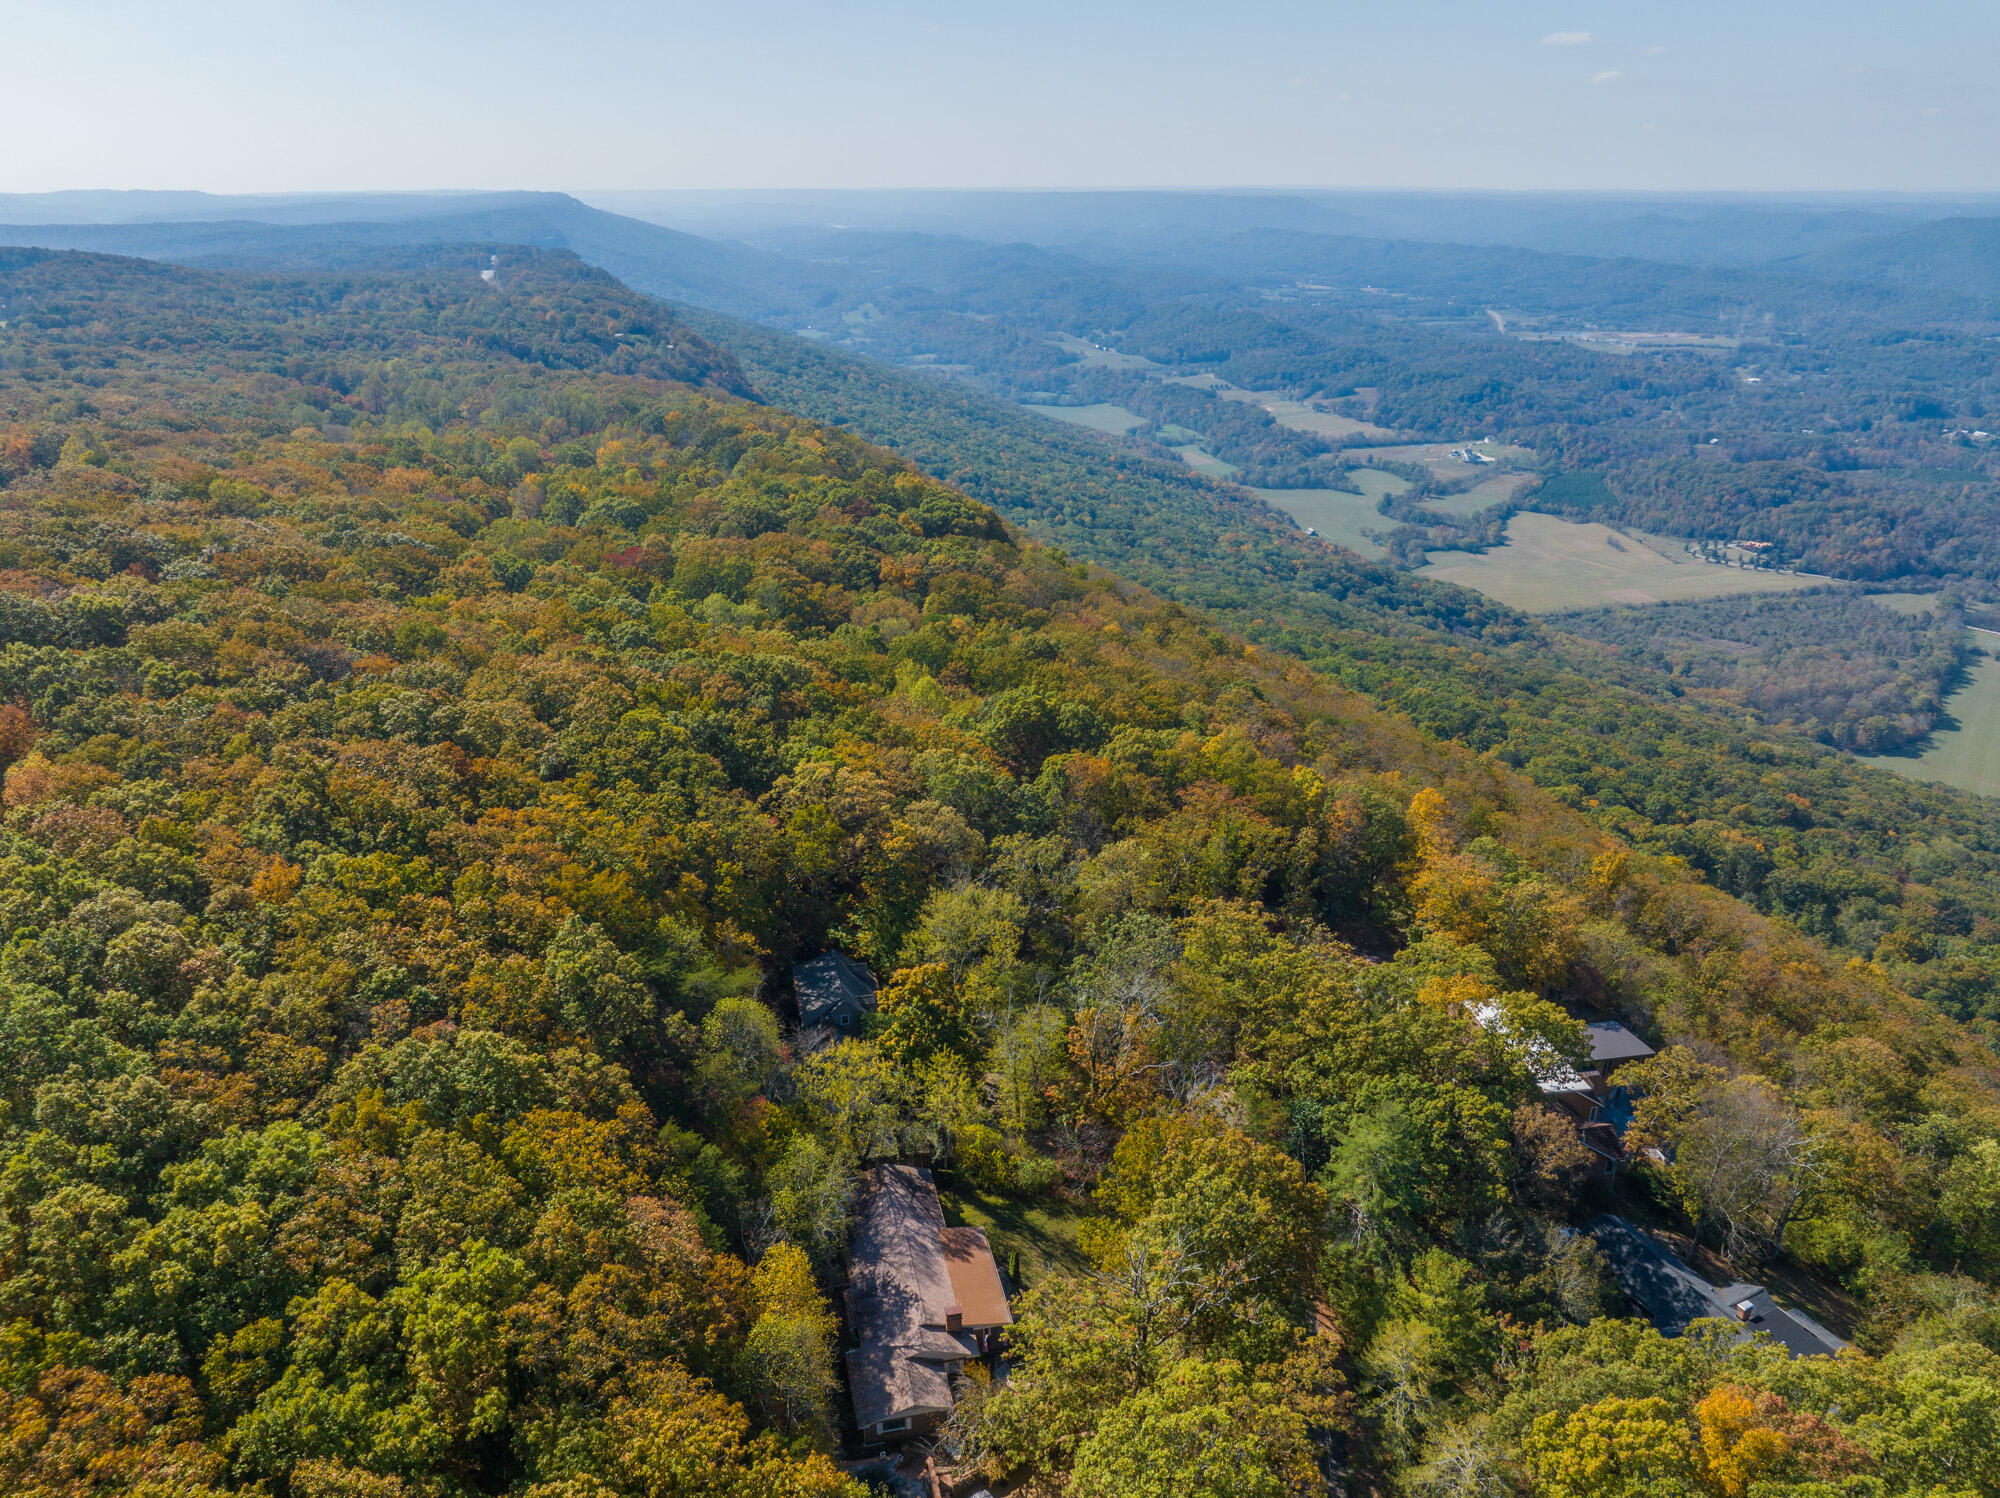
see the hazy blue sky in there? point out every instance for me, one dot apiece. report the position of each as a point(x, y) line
point(264, 95)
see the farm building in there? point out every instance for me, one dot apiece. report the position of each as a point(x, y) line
point(922, 1299)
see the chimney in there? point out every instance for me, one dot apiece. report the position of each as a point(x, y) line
point(954, 1318)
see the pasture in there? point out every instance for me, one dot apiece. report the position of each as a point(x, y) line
point(1481, 496)
point(1436, 456)
point(1206, 464)
point(1093, 357)
point(1113, 421)
point(1303, 418)
point(1550, 564)
point(1967, 753)
point(1342, 518)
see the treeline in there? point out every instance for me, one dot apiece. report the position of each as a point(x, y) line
point(1829, 663)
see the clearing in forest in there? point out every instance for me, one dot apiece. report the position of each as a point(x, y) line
point(1113, 421)
point(1303, 418)
point(1206, 464)
point(1550, 564)
point(1342, 518)
point(1967, 753)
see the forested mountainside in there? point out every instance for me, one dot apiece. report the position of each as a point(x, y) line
point(428, 739)
point(1906, 875)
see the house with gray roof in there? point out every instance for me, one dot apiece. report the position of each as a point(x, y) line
point(922, 1299)
point(835, 993)
point(1673, 1296)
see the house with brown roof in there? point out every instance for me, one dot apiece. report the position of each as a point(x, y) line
point(922, 1299)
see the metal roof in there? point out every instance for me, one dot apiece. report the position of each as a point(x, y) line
point(1611, 1041)
point(1673, 1295)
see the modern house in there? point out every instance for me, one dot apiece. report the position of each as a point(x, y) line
point(1673, 1295)
point(1600, 1109)
point(922, 1299)
point(835, 993)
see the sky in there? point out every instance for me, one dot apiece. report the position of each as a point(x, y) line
point(274, 96)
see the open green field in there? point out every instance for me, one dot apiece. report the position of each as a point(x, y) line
point(1113, 421)
point(1342, 518)
point(1905, 603)
point(1436, 456)
point(1100, 358)
point(1303, 418)
point(1206, 464)
point(1378, 483)
point(1967, 754)
point(1550, 564)
point(1481, 496)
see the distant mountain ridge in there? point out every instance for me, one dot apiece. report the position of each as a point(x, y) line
point(645, 256)
point(1960, 255)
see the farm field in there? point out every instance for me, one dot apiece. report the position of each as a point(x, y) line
point(1482, 496)
point(1206, 464)
point(1434, 456)
point(1100, 358)
point(1113, 421)
point(1967, 754)
point(1340, 517)
point(1377, 483)
point(1303, 418)
point(1550, 564)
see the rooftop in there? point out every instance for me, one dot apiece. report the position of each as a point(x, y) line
point(827, 985)
point(1674, 1296)
point(908, 1277)
point(1611, 1041)
point(975, 1279)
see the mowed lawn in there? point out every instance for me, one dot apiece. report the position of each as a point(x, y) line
point(1113, 421)
point(1550, 564)
point(1967, 754)
point(1338, 516)
point(1042, 1230)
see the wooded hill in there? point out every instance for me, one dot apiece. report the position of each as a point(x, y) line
point(432, 726)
